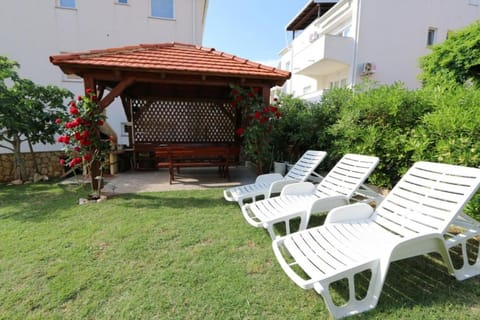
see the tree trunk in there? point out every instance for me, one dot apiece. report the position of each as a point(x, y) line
point(19, 161)
point(34, 158)
point(96, 171)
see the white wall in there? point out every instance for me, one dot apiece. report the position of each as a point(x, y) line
point(393, 34)
point(33, 30)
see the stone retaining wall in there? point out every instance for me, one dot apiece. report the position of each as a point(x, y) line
point(48, 165)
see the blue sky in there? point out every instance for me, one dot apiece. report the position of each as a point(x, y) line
point(250, 29)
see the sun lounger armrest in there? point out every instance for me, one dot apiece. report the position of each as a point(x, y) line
point(298, 188)
point(277, 249)
point(277, 186)
point(268, 178)
point(352, 212)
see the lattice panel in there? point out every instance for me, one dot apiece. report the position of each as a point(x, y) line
point(168, 121)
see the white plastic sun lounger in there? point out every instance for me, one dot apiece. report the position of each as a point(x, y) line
point(267, 184)
point(301, 200)
point(412, 220)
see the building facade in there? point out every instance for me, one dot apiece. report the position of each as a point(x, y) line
point(33, 30)
point(342, 43)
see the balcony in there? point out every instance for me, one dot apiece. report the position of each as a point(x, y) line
point(323, 54)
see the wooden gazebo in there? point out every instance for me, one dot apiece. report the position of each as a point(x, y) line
point(172, 94)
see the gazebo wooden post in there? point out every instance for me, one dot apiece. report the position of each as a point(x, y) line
point(266, 95)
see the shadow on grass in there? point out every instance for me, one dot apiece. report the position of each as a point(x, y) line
point(424, 281)
point(172, 199)
point(35, 202)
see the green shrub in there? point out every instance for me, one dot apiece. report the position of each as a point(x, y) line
point(304, 125)
point(451, 132)
point(379, 121)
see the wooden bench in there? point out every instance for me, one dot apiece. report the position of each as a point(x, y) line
point(196, 155)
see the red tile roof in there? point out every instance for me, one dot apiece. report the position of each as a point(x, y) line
point(171, 57)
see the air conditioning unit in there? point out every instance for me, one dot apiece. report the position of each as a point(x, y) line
point(369, 68)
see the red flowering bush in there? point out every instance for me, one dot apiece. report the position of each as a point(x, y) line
point(80, 133)
point(258, 121)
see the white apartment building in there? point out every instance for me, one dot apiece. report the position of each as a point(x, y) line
point(341, 43)
point(33, 30)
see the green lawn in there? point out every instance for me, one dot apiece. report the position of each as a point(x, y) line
point(175, 255)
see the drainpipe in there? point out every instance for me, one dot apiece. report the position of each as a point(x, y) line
point(355, 47)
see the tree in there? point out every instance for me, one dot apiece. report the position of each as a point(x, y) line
point(454, 62)
point(27, 112)
point(82, 138)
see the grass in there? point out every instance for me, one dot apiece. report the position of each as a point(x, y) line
point(175, 255)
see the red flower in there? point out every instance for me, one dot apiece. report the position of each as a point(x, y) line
point(251, 94)
point(273, 109)
point(88, 157)
point(64, 139)
point(89, 90)
point(85, 142)
point(263, 120)
point(62, 162)
point(258, 115)
point(77, 149)
point(100, 122)
point(239, 98)
point(58, 121)
point(240, 131)
point(73, 110)
point(73, 104)
point(74, 162)
point(79, 98)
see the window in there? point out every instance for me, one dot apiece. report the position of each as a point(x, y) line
point(67, 3)
point(431, 36)
point(122, 1)
point(162, 8)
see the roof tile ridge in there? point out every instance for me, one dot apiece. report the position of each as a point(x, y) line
point(154, 45)
point(92, 53)
point(251, 63)
point(63, 57)
point(260, 65)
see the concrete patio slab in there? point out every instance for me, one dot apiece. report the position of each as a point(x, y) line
point(187, 179)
